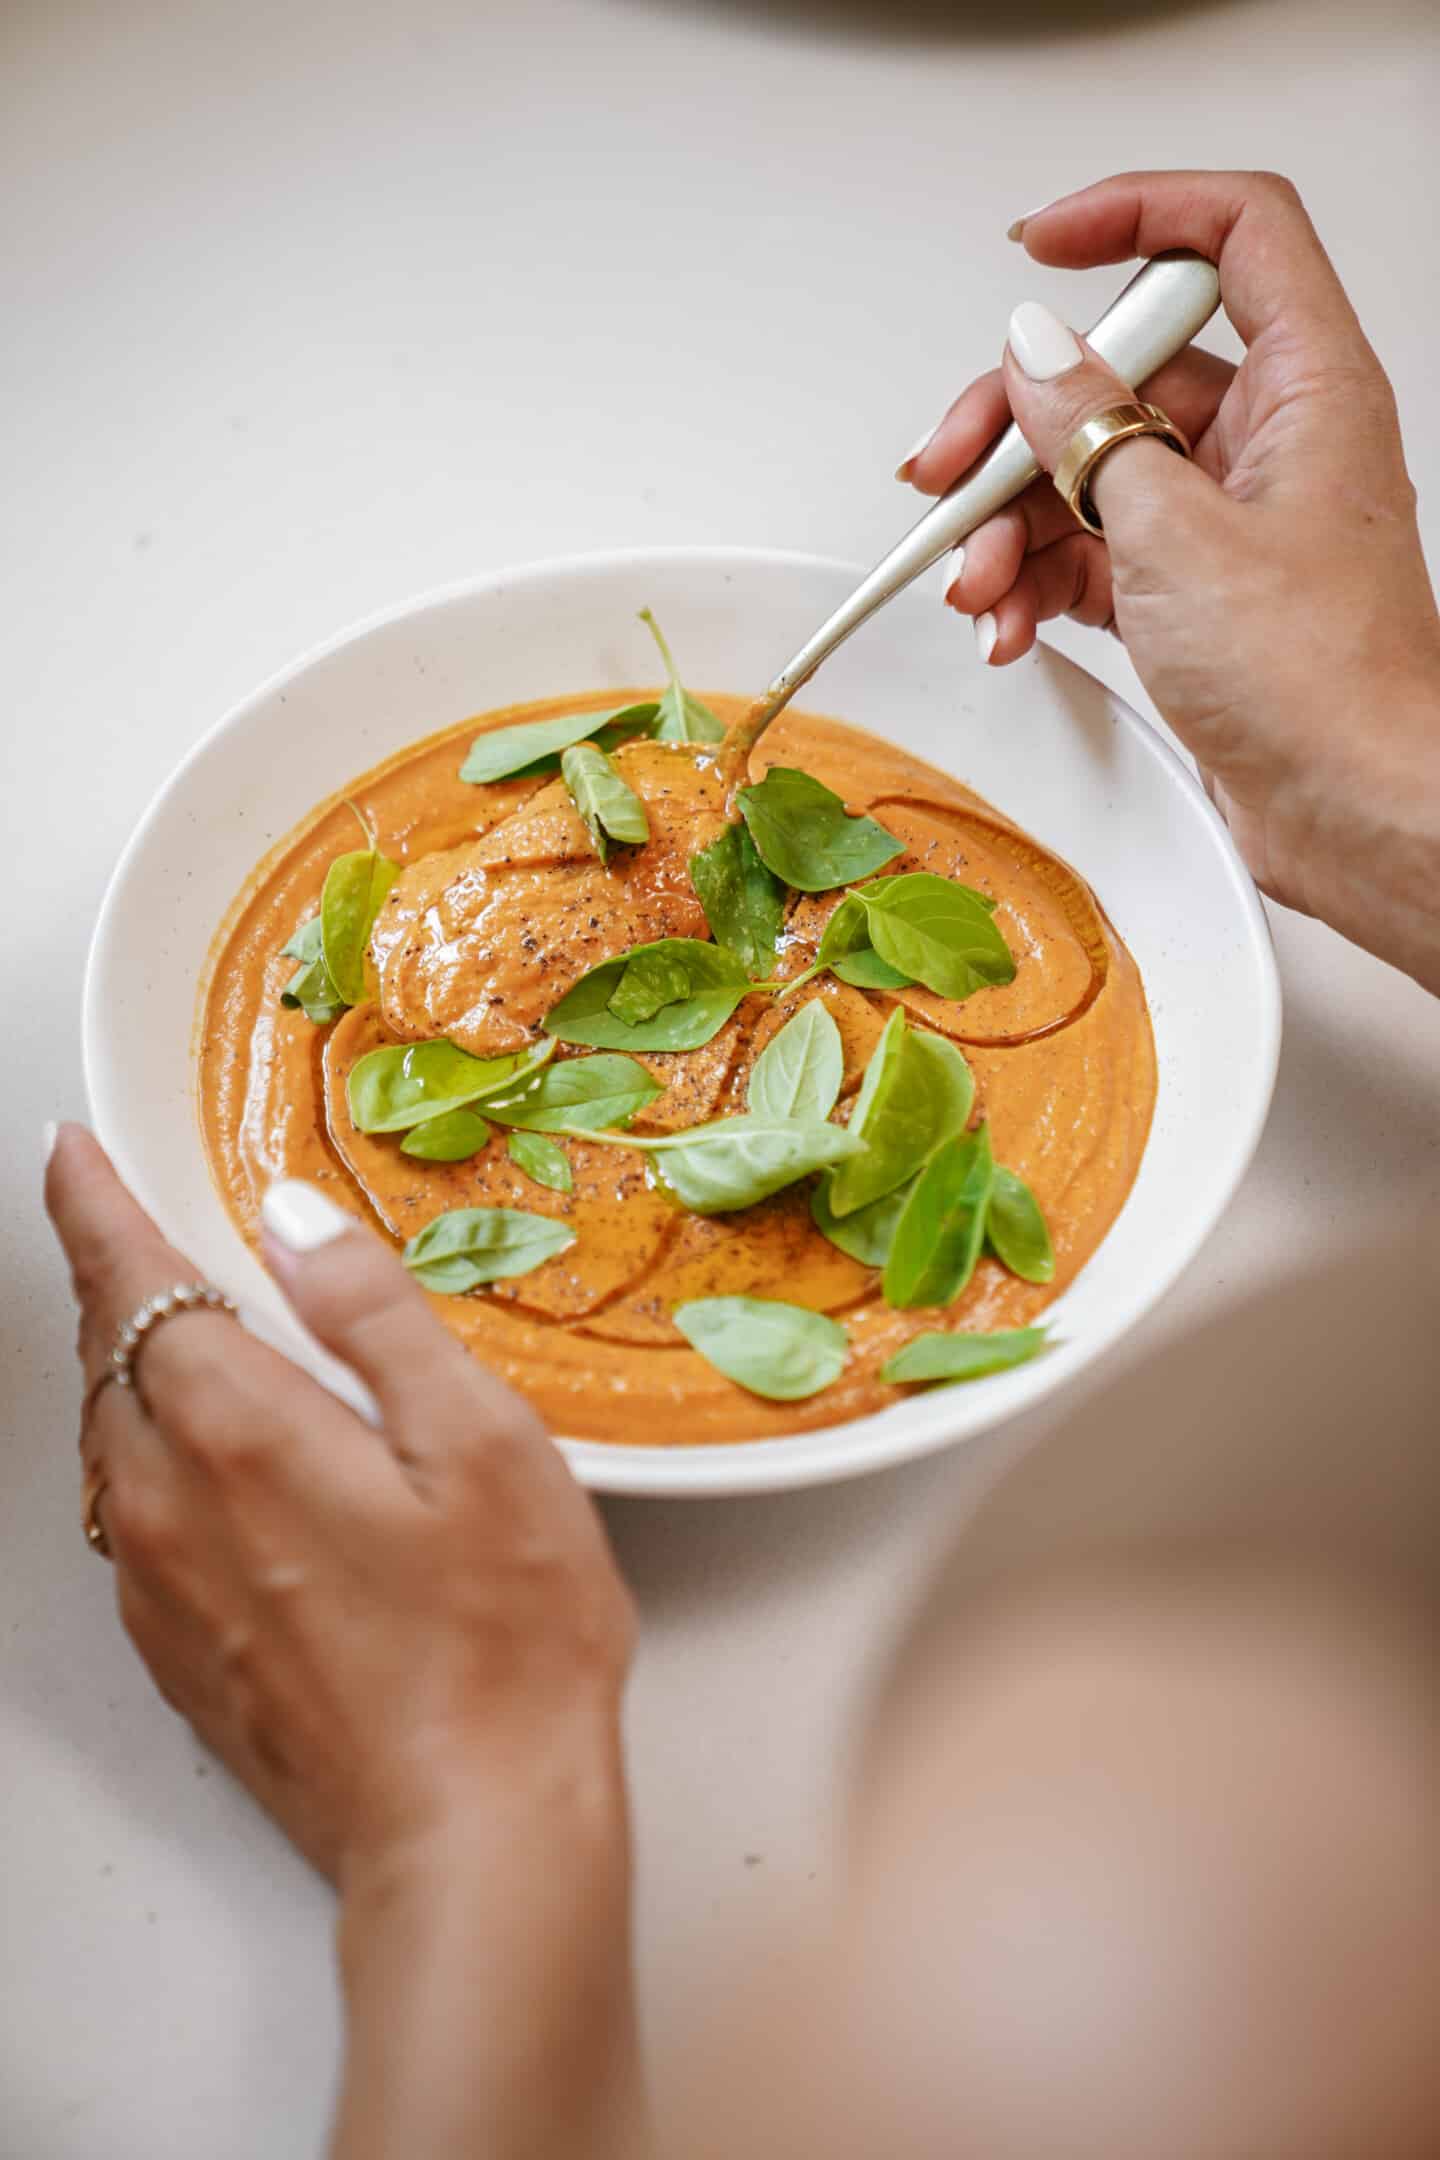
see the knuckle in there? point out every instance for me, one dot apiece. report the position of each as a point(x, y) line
point(199, 1402)
point(199, 1418)
point(141, 1525)
point(1276, 188)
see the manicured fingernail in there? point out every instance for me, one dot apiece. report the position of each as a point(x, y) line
point(301, 1217)
point(956, 570)
point(987, 636)
point(1016, 231)
point(902, 470)
point(1041, 342)
point(48, 1134)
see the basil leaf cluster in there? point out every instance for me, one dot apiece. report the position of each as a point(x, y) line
point(333, 945)
point(671, 995)
point(531, 748)
point(406, 1084)
point(682, 716)
point(922, 1195)
point(916, 928)
point(310, 988)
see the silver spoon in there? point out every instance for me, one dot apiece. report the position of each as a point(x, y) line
point(1155, 317)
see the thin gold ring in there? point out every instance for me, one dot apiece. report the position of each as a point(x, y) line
point(1095, 438)
point(93, 1393)
point(96, 1487)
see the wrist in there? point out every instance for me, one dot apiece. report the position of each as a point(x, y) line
point(1367, 846)
point(557, 1788)
point(485, 1961)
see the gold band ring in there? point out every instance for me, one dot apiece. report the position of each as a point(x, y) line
point(1095, 438)
point(96, 1487)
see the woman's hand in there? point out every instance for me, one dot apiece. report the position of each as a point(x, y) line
point(1273, 594)
point(410, 1644)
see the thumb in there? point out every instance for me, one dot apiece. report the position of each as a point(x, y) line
point(1156, 507)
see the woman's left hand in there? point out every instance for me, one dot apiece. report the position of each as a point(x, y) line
point(409, 1643)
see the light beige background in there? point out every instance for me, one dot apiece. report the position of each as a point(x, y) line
point(311, 307)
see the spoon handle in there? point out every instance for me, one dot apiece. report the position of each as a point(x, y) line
point(1155, 317)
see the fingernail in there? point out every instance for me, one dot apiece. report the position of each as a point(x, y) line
point(902, 470)
point(48, 1132)
point(1041, 343)
point(1016, 231)
point(987, 636)
point(302, 1217)
point(955, 570)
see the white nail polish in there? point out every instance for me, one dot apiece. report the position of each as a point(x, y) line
point(1014, 232)
point(987, 636)
point(301, 1216)
point(48, 1134)
point(1041, 343)
point(902, 470)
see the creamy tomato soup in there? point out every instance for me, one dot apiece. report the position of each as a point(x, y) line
point(501, 905)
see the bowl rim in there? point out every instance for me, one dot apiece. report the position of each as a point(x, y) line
point(810, 1457)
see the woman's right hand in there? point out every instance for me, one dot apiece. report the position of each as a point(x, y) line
point(1273, 594)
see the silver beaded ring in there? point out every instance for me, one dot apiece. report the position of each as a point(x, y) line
point(184, 1297)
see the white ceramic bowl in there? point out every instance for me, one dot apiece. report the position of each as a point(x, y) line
point(1044, 741)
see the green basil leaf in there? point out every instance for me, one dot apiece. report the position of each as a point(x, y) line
point(938, 933)
point(304, 944)
point(354, 892)
point(846, 950)
point(715, 982)
point(744, 902)
point(600, 1091)
point(799, 1072)
point(916, 1094)
point(541, 1159)
point(533, 746)
point(1016, 1229)
point(783, 1352)
point(868, 1233)
point(845, 932)
point(803, 831)
point(683, 718)
point(653, 979)
point(929, 1358)
point(454, 1136)
point(938, 1238)
point(867, 971)
point(739, 1161)
point(390, 1089)
point(310, 989)
point(611, 809)
point(468, 1246)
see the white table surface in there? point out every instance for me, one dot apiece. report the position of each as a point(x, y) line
point(311, 307)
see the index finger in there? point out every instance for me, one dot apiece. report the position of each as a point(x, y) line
point(117, 1255)
point(210, 1389)
point(1252, 225)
